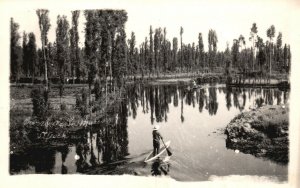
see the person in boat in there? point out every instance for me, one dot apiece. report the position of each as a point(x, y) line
point(156, 139)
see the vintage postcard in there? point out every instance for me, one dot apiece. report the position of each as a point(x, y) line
point(150, 93)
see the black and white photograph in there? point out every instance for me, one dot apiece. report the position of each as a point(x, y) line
point(172, 91)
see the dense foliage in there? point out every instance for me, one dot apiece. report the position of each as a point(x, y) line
point(107, 53)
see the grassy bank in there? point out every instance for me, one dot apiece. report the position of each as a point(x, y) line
point(262, 132)
point(60, 125)
point(167, 77)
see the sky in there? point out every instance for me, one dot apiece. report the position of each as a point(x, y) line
point(230, 19)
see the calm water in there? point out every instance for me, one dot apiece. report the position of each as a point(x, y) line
point(192, 119)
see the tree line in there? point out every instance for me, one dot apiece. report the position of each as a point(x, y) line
point(108, 54)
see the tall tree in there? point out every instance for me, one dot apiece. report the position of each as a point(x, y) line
point(133, 63)
point(271, 35)
point(157, 48)
point(14, 51)
point(261, 56)
point(62, 42)
point(25, 55)
point(165, 60)
point(32, 55)
point(242, 44)
point(52, 59)
point(74, 40)
point(169, 55)
point(192, 58)
point(147, 52)
point(121, 56)
point(181, 49)
point(235, 52)
point(253, 39)
point(279, 40)
point(287, 58)
point(201, 49)
point(175, 49)
point(242, 41)
point(279, 49)
point(92, 43)
point(212, 46)
point(151, 58)
point(44, 24)
point(228, 64)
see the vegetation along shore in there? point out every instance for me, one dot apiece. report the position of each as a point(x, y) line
point(262, 132)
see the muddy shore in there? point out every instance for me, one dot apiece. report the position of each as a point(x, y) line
point(262, 132)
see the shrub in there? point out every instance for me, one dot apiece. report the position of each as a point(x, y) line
point(63, 107)
point(40, 105)
point(81, 103)
point(97, 89)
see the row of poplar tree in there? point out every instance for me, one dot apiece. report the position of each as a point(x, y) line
point(108, 54)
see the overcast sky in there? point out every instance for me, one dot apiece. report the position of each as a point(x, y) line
point(229, 19)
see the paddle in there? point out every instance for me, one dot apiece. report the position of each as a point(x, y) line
point(168, 151)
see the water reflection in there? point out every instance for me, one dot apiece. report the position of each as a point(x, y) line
point(159, 167)
point(212, 106)
point(159, 97)
point(228, 97)
point(41, 159)
point(107, 142)
point(94, 145)
point(64, 153)
point(82, 151)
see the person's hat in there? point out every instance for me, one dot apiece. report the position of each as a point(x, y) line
point(156, 127)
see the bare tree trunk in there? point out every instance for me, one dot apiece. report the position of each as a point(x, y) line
point(33, 75)
point(110, 57)
point(253, 56)
point(105, 88)
point(270, 59)
point(73, 72)
point(45, 65)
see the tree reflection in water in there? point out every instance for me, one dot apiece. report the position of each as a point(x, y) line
point(103, 144)
point(81, 151)
point(64, 153)
point(202, 99)
point(107, 141)
point(41, 159)
point(181, 95)
point(158, 97)
point(213, 102)
point(228, 97)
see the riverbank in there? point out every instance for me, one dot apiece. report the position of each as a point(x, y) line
point(272, 83)
point(60, 128)
point(277, 81)
point(262, 132)
point(65, 120)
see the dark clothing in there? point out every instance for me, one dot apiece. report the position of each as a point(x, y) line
point(156, 141)
point(156, 146)
point(156, 136)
